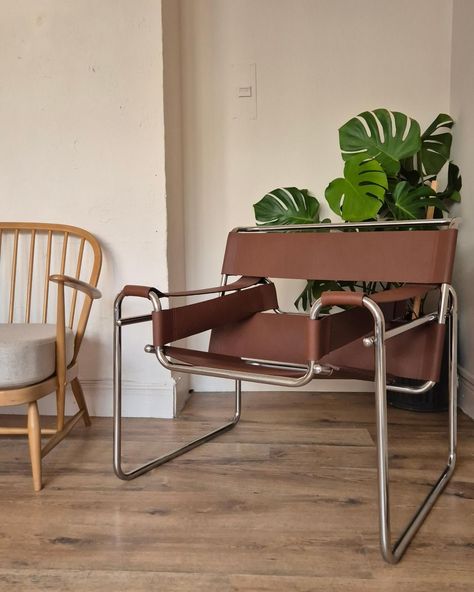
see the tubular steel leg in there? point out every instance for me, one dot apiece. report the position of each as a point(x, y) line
point(118, 415)
point(389, 553)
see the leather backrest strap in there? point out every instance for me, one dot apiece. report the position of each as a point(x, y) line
point(405, 256)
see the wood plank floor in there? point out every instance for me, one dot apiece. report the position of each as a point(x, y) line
point(284, 502)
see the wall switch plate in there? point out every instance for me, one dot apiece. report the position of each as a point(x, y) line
point(244, 91)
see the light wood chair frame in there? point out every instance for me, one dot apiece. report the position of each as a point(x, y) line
point(65, 374)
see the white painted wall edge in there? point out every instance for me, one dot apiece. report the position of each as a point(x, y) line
point(466, 391)
point(181, 392)
point(220, 385)
point(167, 400)
point(465, 396)
point(138, 400)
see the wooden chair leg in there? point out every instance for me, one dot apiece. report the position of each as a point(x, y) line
point(80, 400)
point(34, 440)
point(60, 406)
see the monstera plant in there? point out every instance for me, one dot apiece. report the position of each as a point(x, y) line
point(389, 173)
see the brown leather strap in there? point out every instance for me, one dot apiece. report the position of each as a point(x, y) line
point(139, 291)
point(290, 337)
point(415, 354)
point(183, 321)
point(404, 293)
point(318, 339)
point(243, 282)
point(265, 335)
point(335, 298)
point(223, 362)
point(143, 291)
point(415, 256)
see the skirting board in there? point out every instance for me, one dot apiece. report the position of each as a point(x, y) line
point(466, 391)
point(166, 400)
point(207, 385)
point(138, 400)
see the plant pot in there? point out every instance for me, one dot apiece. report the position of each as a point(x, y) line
point(436, 399)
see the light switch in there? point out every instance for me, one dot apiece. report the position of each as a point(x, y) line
point(243, 91)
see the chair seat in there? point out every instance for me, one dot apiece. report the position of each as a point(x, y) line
point(28, 353)
point(236, 364)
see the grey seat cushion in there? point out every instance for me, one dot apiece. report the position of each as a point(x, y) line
point(28, 353)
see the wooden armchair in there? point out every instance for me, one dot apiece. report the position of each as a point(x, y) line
point(38, 356)
point(252, 340)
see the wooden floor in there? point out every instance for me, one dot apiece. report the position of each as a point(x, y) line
point(284, 502)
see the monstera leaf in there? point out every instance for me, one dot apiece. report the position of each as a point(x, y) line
point(361, 193)
point(287, 205)
point(410, 203)
point(454, 184)
point(436, 144)
point(387, 136)
point(435, 147)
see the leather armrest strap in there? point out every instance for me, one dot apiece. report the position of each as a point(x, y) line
point(335, 298)
point(404, 293)
point(319, 337)
point(243, 282)
point(176, 323)
point(143, 291)
point(139, 291)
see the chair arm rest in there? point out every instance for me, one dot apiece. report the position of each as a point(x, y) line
point(139, 291)
point(242, 282)
point(403, 293)
point(183, 321)
point(143, 291)
point(340, 298)
point(71, 282)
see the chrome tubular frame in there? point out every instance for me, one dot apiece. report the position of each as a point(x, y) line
point(436, 222)
point(412, 390)
point(369, 341)
point(447, 313)
point(311, 370)
point(119, 322)
point(393, 554)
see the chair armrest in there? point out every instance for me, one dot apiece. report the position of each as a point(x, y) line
point(71, 282)
point(144, 291)
point(179, 322)
point(140, 291)
point(361, 299)
point(340, 298)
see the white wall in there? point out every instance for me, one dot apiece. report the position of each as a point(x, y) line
point(82, 142)
point(462, 104)
point(318, 62)
point(81, 114)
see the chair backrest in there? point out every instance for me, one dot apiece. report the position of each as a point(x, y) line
point(414, 256)
point(29, 253)
point(376, 254)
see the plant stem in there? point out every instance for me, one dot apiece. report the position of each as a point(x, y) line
point(419, 167)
